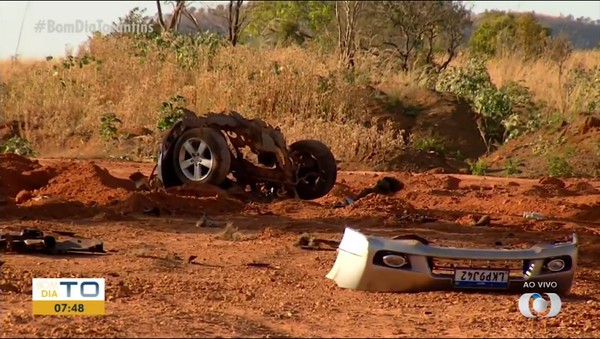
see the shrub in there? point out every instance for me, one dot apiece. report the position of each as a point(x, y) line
point(507, 112)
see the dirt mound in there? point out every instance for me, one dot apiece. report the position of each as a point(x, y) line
point(294, 206)
point(125, 207)
point(409, 160)
point(547, 191)
point(18, 173)
point(87, 190)
point(583, 187)
point(571, 150)
point(377, 205)
point(450, 183)
point(169, 204)
point(549, 181)
point(591, 213)
point(48, 208)
point(86, 183)
point(442, 117)
point(434, 126)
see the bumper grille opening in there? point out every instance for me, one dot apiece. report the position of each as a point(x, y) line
point(445, 267)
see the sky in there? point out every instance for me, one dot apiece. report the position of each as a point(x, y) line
point(54, 19)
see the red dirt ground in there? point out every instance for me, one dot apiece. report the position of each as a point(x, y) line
point(153, 291)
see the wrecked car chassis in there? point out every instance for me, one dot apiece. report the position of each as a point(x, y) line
point(213, 145)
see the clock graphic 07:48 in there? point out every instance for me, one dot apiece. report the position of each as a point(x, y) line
point(69, 308)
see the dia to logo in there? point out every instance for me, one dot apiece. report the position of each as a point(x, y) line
point(534, 305)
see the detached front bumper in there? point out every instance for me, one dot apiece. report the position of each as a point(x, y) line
point(381, 264)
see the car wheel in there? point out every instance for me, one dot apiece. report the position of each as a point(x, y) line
point(201, 155)
point(317, 167)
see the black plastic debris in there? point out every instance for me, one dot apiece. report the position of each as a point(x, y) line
point(384, 186)
point(36, 241)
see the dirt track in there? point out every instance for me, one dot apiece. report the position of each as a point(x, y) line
point(153, 291)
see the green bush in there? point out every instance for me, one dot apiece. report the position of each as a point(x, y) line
point(508, 111)
point(108, 128)
point(170, 112)
point(430, 144)
point(511, 166)
point(478, 167)
point(559, 167)
point(17, 145)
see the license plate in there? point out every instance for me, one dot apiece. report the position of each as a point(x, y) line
point(481, 278)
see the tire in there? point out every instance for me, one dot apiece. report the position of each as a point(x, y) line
point(212, 164)
point(323, 163)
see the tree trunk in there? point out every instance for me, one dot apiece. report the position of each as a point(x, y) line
point(346, 13)
point(161, 21)
point(233, 20)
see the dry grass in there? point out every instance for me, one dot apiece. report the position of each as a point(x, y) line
point(298, 89)
point(283, 86)
point(542, 78)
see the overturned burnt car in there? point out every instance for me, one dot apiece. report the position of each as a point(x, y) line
point(210, 149)
point(411, 264)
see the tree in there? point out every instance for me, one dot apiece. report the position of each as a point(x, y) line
point(180, 8)
point(286, 22)
point(135, 22)
point(499, 32)
point(346, 14)
point(235, 23)
point(454, 18)
point(530, 35)
point(415, 30)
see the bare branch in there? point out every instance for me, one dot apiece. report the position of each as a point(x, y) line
point(176, 18)
point(339, 24)
point(391, 44)
point(192, 18)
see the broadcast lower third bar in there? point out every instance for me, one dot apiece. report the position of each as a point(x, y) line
point(68, 296)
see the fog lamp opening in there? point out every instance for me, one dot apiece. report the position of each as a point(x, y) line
point(395, 261)
point(556, 265)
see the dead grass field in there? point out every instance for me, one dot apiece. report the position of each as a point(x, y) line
point(298, 89)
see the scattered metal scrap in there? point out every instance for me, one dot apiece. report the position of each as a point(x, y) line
point(485, 220)
point(141, 181)
point(384, 186)
point(36, 241)
point(415, 217)
point(309, 242)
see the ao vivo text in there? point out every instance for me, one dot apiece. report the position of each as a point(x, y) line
point(540, 284)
